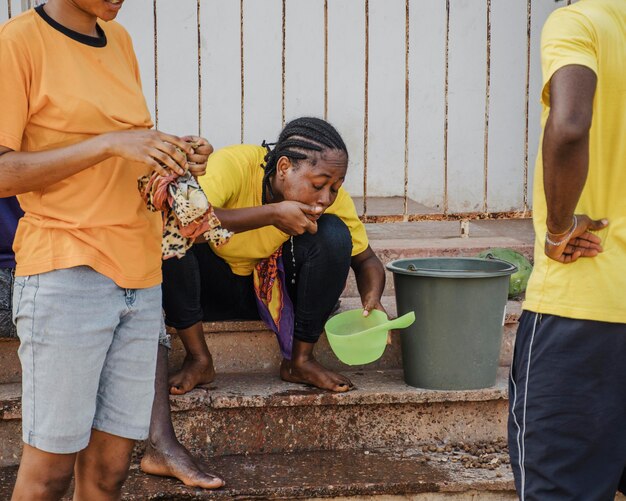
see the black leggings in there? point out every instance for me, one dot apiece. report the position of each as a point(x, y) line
point(201, 285)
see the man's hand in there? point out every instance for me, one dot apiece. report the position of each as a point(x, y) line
point(575, 242)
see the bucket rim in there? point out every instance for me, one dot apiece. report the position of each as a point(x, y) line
point(507, 269)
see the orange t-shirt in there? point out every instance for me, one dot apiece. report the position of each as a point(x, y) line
point(58, 88)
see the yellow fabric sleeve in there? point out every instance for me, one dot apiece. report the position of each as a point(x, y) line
point(567, 39)
point(225, 174)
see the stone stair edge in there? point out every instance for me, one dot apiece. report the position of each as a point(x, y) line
point(374, 387)
point(447, 247)
point(255, 390)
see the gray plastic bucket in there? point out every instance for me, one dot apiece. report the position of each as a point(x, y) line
point(459, 305)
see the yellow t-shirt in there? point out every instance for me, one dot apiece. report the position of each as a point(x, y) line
point(233, 180)
point(590, 33)
point(56, 89)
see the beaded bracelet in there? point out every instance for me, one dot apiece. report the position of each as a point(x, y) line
point(566, 237)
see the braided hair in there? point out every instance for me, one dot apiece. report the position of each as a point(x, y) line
point(297, 140)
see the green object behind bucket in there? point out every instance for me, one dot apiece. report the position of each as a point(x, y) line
point(518, 280)
point(460, 305)
point(359, 340)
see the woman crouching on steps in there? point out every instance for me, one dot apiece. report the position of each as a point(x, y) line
point(296, 235)
point(284, 199)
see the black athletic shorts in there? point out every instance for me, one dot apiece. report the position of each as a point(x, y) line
point(567, 403)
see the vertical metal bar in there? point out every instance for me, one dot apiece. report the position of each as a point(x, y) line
point(446, 107)
point(526, 104)
point(366, 112)
point(243, 87)
point(487, 98)
point(407, 46)
point(156, 65)
point(284, 59)
point(9, 8)
point(325, 59)
point(199, 69)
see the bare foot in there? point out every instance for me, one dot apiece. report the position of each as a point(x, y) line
point(193, 372)
point(178, 463)
point(312, 372)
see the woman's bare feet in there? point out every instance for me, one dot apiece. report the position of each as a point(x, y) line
point(303, 368)
point(177, 462)
point(311, 372)
point(194, 371)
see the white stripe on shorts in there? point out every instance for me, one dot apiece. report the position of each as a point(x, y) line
point(521, 430)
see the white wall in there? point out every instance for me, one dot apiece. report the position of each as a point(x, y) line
point(430, 95)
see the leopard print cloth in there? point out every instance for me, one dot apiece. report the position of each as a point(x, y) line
point(187, 213)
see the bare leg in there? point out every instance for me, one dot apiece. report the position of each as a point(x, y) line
point(165, 456)
point(198, 365)
point(101, 469)
point(43, 476)
point(303, 368)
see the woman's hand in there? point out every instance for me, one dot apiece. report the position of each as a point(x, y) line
point(295, 218)
point(198, 159)
point(151, 147)
point(375, 304)
point(370, 304)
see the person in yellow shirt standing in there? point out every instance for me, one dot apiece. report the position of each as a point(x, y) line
point(74, 137)
point(296, 236)
point(567, 438)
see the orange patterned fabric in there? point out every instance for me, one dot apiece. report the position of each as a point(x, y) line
point(187, 213)
point(273, 301)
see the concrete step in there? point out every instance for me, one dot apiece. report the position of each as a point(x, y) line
point(10, 424)
point(460, 472)
point(409, 474)
point(248, 346)
point(259, 414)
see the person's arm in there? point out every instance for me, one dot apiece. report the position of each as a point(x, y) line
point(21, 172)
point(370, 279)
point(565, 153)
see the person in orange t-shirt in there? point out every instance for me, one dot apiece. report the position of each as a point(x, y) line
point(74, 137)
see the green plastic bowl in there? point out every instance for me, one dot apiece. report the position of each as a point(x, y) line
point(359, 340)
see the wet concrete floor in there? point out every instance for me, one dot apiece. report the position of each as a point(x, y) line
point(316, 474)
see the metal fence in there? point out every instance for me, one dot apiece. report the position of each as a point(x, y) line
point(438, 100)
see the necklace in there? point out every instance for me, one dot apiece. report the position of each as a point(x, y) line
point(293, 260)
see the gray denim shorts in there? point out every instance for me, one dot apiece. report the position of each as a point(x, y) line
point(7, 328)
point(88, 352)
